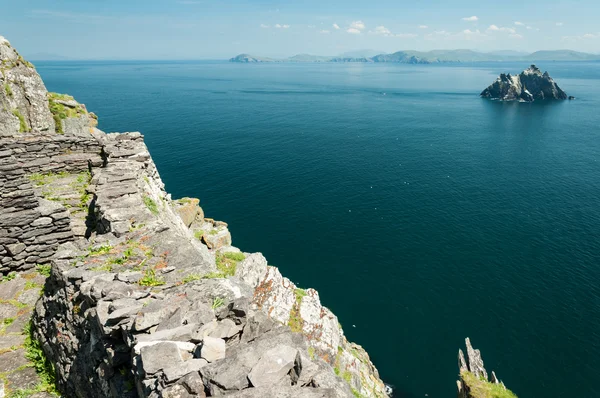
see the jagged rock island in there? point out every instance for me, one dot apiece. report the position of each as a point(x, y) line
point(142, 295)
point(474, 381)
point(528, 86)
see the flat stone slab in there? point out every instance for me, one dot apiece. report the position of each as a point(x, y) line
point(12, 360)
point(24, 378)
point(11, 340)
point(9, 290)
point(7, 311)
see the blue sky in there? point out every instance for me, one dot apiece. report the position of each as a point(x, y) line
point(192, 29)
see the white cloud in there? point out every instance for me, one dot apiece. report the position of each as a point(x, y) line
point(437, 34)
point(353, 31)
point(423, 26)
point(471, 19)
point(515, 36)
point(587, 36)
point(381, 30)
point(519, 23)
point(559, 24)
point(262, 25)
point(406, 35)
point(494, 28)
point(324, 31)
point(278, 26)
point(358, 25)
point(336, 26)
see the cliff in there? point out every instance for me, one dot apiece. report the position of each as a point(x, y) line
point(528, 86)
point(144, 296)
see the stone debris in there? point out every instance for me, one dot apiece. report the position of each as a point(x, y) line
point(146, 296)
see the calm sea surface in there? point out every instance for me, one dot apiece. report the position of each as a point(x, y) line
point(422, 213)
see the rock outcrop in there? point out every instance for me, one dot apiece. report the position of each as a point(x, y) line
point(474, 381)
point(145, 295)
point(528, 86)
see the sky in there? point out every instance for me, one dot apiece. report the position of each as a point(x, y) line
point(220, 29)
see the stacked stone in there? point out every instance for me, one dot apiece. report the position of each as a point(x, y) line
point(30, 228)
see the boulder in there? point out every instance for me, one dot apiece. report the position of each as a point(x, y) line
point(273, 366)
point(212, 349)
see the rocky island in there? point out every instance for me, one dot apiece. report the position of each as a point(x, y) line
point(528, 86)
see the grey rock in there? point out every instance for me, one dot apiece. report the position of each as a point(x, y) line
point(252, 269)
point(193, 384)
point(176, 391)
point(160, 356)
point(212, 349)
point(286, 392)
point(475, 361)
point(273, 366)
point(177, 371)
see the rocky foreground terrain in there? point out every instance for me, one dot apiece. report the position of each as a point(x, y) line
point(130, 292)
point(528, 86)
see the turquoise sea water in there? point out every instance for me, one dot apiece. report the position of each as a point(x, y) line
point(422, 213)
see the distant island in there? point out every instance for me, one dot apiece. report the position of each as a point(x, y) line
point(431, 57)
point(528, 86)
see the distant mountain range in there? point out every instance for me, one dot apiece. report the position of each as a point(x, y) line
point(431, 57)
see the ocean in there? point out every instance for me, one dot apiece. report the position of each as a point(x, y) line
point(422, 213)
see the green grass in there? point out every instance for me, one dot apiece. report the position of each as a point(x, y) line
point(31, 285)
point(227, 262)
point(150, 279)
point(479, 388)
point(44, 270)
point(217, 302)
point(199, 234)
point(23, 127)
point(8, 90)
point(11, 275)
point(8, 321)
point(101, 250)
point(213, 232)
point(43, 367)
point(151, 205)
point(61, 112)
point(311, 352)
point(192, 278)
point(295, 322)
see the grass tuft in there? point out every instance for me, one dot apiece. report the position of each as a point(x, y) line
point(150, 279)
point(480, 388)
point(44, 270)
point(23, 127)
point(151, 205)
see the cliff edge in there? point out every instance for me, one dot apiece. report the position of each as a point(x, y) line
point(144, 295)
point(528, 86)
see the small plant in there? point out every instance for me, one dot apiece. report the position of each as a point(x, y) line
point(100, 250)
point(199, 234)
point(300, 293)
point(11, 275)
point(31, 285)
point(23, 128)
point(192, 278)
point(217, 302)
point(234, 256)
point(150, 279)
point(151, 205)
point(8, 321)
point(103, 268)
point(8, 90)
point(44, 368)
point(44, 270)
point(214, 232)
point(311, 352)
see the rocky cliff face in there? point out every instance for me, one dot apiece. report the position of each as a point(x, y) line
point(528, 86)
point(146, 296)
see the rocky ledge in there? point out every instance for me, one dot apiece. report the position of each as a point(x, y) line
point(474, 381)
point(528, 86)
point(143, 295)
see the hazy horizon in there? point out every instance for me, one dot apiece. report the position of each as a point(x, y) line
point(213, 29)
